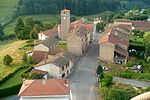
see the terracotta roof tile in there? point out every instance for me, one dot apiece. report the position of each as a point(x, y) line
point(51, 32)
point(109, 37)
point(48, 87)
point(39, 55)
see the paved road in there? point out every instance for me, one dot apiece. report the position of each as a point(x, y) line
point(84, 84)
point(142, 84)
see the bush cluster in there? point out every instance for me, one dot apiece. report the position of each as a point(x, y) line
point(106, 81)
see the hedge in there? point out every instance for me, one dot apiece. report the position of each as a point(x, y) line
point(9, 75)
point(15, 88)
point(10, 90)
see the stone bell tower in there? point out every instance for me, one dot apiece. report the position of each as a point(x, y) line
point(65, 24)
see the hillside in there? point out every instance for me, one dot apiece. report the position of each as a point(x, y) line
point(7, 7)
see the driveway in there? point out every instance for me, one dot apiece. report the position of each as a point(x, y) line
point(132, 82)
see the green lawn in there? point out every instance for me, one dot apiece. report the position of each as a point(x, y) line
point(15, 79)
point(62, 45)
point(7, 8)
point(13, 49)
point(44, 18)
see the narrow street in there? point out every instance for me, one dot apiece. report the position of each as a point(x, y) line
point(84, 83)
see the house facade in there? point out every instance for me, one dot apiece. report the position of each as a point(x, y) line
point(78, 41)
point(113, 48)
point(58, 68)
point(51, 89)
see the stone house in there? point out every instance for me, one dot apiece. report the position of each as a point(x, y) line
point(113, 48)
point(57, 67)
point(46, 44)
point(48, 34)
point(50, 89)
point(77, 41)
point(133, 25)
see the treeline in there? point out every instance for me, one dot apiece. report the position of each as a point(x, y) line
point(77, 7)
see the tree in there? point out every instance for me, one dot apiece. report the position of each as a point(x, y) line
point(148, 59)
point(1, 32)
point(100, 26)
point(23, 10)
point(147, 43)
point(7, 59)
point(19, 28)
point(29, 22)
point(100, 72)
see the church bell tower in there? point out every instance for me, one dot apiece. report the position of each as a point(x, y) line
point(65, 24)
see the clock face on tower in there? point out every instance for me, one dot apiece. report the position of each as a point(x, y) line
point(64, 17)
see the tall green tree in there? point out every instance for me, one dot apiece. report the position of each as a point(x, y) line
point(19, 28)
point(147, 43)
point(29, 22)
point(1, 33)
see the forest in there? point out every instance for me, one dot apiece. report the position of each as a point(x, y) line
point(77, 7)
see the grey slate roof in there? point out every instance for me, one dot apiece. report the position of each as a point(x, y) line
point(61, 61)
point(70, 56)
point(81, 31)
point(50, 42)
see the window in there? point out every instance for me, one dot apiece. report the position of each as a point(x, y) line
point(62, 68)
point(63, 75)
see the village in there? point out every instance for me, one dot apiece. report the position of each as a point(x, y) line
point(56, 65)
point(75, 60)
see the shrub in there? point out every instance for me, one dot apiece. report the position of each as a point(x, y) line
point(7, 59)
point(148, 59)
point(106, 81)
point(99, 70)
point(114, 94)
point(126, 74)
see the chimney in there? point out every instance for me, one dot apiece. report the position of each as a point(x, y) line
point(45, 58)
point(43, 82)
point(65, 83)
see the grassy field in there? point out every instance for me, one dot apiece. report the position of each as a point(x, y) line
point(7, 8)
point(13, 49)
point(45, 19)
point(62, 45)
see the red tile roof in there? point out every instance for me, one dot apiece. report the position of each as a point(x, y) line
point(109, 37)
point(48, 87)
point(51, 32)
point(39, 55)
